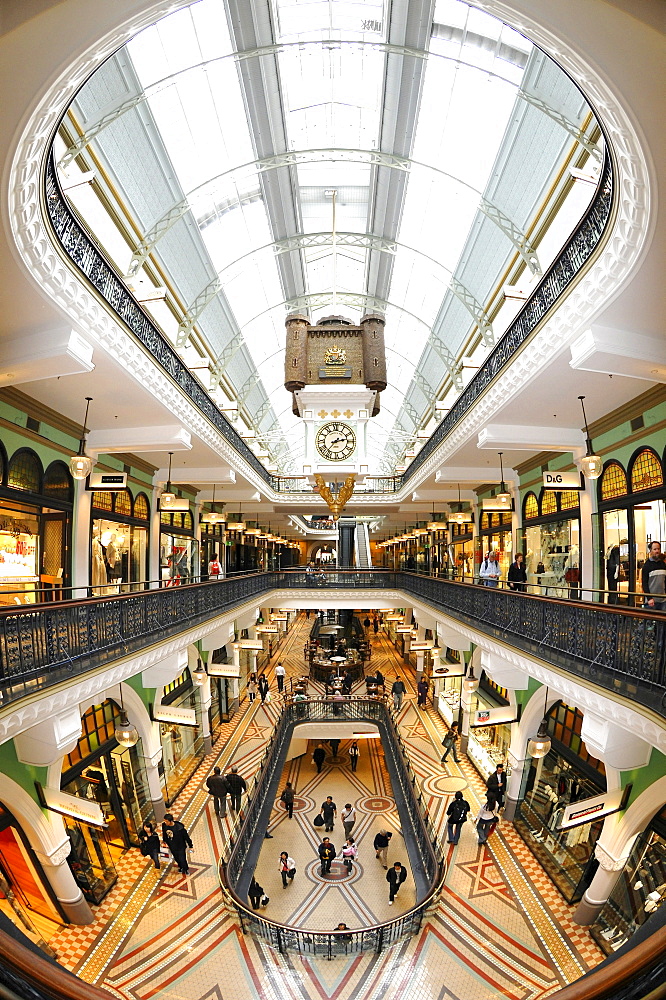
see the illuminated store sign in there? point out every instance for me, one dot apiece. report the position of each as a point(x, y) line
point(562, 481)
point(590, 810)
point(84, 810)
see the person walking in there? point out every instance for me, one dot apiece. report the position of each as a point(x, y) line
point(486, 818)
point(381, 846)
point(456, 816)
point(496, 784)
point(177, 839)
point(335, 746)
point(218, 788)
point(375, 624)
point(255, 892)
point(379, 678)
point(214, 568)
point(489, 570)
point(150, 843)
point(263, 688)
point(236, 785)
point(287, 869)
point(318, 757)
point(280, 674)
point(395, 877)
point(398, 691)
point(653, 579)
point(288, 798)
point(354, 754)
point(326, 852)
point(449, 743)
point(422, 689)
point(348, 817)
point(348, 853)
point(329, 811)
point(366, 623)
point(252, 687)
point(517, 575)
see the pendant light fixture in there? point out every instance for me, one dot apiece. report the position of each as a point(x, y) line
point(125, 733)
point(457, 515)
point(504, 497)
point(539, 745)
point(80, 465)
point(592, 465)
point(199, 676)
point(471, 683)
point(213, 517)
point(168, 496)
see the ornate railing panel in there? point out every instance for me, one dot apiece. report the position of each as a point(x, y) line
point(93, 263)
point(555, 281)
point(236, 870)
point(622, 650)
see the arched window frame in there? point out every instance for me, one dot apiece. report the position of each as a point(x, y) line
point(39, 468)
point(62, 468)
point(609, 469)
point(650, 454)
point(530, 496)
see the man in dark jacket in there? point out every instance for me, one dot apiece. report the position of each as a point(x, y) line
point(218, 788)
point(653, 579)
point(395, 877)
point(255, 892)
point(236, 785)
point(449, 743)
point(177, 839)
point(329, 811)
point(496, 784)
point(319, 756)
point(398, 691)
point(326, 852)
point(517, 575)
point(381, 845)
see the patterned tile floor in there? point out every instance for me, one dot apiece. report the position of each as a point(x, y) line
point(501, 929)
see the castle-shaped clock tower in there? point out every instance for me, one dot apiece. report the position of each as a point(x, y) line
point(335, 372)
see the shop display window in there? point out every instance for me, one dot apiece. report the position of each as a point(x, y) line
point(119, 543)
point(25, 897)
point(552, 558)
point(19, 551)
point(182, 746)
point(639, 892)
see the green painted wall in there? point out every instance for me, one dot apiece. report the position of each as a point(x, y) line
point(642, 777)
point(24, 775)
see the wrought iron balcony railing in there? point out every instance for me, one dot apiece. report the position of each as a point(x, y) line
point(427, 853)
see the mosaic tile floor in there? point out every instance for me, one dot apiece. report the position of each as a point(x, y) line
point(501, 929)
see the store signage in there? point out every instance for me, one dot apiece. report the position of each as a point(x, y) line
point(223, 670)
point(494, 716)
point(589, 810)
point(84, 810)
point(175, 714)
point(562, 481)
point(494, 503)
point(255, 644)
point(108, 481)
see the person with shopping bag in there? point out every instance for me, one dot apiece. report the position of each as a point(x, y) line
point(486, 819)
point(287, 869)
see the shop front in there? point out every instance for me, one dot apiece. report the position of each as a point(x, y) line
point(495, 536)
point(35, 526)
point(179, 549)
point(632, 514)
point(639, 892)
point(115, 777)
point(25, 896)
point(212, 547)
point(223, 676)
point(550, 541)
point(181, 733)
point(567, 774)
point(119, 541)
point(490, 721)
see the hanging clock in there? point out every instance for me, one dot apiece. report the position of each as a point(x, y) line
point(335, 441)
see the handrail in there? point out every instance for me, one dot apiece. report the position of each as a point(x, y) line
point(91, 260)
point(621, 649)
point(234, 873)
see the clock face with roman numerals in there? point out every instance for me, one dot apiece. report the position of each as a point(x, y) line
point(335, 441)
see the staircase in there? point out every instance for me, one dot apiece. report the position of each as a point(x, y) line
point(362, 546)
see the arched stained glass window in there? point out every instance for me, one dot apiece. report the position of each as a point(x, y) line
point(58, 482)
point(646, 471)
point(123, 503)
point(569, 499)
point(548, 502)
point(613, 482)
point(141, 507)
point(485, 522)
point(102, 500)
point(25, 471)
point(531, 506)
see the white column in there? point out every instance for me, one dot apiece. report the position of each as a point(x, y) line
point(81, 539)
point(206, 699)
point(588, 509)
point(517, 763)
point(63, 883)
point(466, 706)
point(154, 540)
point(601, 886)
point(154, 784)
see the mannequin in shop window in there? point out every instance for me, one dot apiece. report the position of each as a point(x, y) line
point(612, 572)
point(572, 573)
point(98, 569)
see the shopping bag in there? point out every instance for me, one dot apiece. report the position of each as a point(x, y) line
point(319, 820)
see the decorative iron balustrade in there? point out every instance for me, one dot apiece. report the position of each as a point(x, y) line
point(555, 281)
point(427, 856)
point(86, 254)
point(622, 650)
